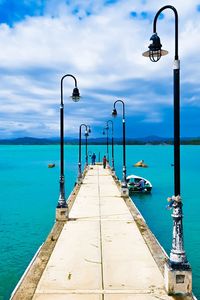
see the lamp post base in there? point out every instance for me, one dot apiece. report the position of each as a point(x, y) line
point(178, 279)
point(79, 180)
point(112, 169)
point(62, 214)
point(124, 192)
point(113, 172)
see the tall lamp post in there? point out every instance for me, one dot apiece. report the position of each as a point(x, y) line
point(177, 269)
point(62, 207)
point(124, 188)
point(112, 131)
point(105, 131)
point(87, 131)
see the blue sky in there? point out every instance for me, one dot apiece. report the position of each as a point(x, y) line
point(100, 42)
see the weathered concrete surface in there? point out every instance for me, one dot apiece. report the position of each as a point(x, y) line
point(105, 251)
point(30, 281)
point(101, 253)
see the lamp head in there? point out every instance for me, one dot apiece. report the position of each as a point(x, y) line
point(155, 49)
point(76, 95)
point(89, 130)
point(86, 133)
point(114, 112)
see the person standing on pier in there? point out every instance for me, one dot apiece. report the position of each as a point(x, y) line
point(93, 158)
point(104, 162)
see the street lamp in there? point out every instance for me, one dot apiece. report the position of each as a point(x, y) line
point(112, 131)
point(124, 188)
point(87, 131)
point(178, 260)
point(107, 146)
point(62, 204)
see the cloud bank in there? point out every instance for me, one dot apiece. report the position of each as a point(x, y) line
point(100, 42)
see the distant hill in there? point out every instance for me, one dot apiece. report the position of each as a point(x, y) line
point(28, 141)
point(152, 140)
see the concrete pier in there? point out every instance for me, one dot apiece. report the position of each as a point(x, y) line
point(104, 251)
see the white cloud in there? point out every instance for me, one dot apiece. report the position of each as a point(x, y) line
point(103, 51)
point(154, 117)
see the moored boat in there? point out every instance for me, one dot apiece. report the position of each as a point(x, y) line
point(51, 165)
point(141, 164)
point(137, 184)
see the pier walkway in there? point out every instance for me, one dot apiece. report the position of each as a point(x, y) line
point(100, 253)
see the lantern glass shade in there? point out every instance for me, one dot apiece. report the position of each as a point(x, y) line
point(114, 112)
point(155, 49)
point(155, 55)
point(76, 95)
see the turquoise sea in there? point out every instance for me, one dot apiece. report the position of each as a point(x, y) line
point(30, 190)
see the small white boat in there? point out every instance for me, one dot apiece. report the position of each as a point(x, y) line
point(137, 184)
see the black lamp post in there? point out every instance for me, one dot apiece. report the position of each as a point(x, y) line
point(75, 96)
point(177, 255)
point(87, 131)
point(107, 145)
point(89, 153)
point(112, 131)
point(114, 114)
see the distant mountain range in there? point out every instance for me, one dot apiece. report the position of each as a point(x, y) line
point(153, 140)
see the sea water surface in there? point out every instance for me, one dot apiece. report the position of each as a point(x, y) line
point(30, 190)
